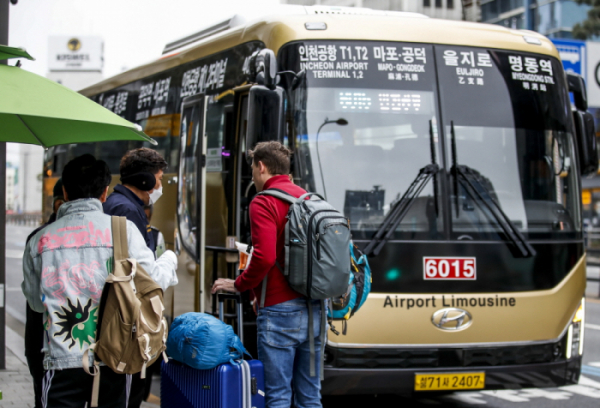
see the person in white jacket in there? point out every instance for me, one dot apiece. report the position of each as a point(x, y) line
point(65, 266)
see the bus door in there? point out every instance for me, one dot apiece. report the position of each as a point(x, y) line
point(191, 197)
point(244, 186)
point(244, 192)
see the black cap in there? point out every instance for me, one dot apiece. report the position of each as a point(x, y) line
point(58, 191)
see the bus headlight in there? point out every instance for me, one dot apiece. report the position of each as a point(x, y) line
point(575, 333)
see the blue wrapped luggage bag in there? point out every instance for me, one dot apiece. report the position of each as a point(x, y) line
point(236, 384)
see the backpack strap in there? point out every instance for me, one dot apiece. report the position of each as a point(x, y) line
point(323, 336)
point(263, 291)
point(119, 235)
point(95, 371)
point(287, 197)
point(279, 266)
point(311, 337)
point(282, 195)
point(303, 196)
point(311, 342)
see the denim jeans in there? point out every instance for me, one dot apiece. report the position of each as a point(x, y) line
point(283, 348)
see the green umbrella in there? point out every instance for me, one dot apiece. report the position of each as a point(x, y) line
point(12, 52)
point(36, 110)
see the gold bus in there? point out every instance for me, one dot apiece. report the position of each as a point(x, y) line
point(453, 149)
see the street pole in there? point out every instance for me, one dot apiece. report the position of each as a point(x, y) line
point(25, 164)
point(4, 4)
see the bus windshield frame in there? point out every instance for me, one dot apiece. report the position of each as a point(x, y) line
point(499, 113)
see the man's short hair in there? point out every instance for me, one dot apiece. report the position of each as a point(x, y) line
point(85, 177)
point(274, 155)
point(142, 160)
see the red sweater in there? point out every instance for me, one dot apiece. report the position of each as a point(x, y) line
point(267, 223)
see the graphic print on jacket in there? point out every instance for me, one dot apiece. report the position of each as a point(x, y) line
point(73, 281)
point(77, 323)
point(67, 237)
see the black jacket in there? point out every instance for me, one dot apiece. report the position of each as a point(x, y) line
point(125, 203)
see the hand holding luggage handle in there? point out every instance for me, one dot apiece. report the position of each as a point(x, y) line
point(221, 297)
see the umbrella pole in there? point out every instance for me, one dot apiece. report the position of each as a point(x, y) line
point(3, 40)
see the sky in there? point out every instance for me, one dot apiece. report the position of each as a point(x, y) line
point(134, 31)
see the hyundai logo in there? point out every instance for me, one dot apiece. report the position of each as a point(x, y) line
point(451, 319)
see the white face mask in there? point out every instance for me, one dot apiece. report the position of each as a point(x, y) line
point(155, 195)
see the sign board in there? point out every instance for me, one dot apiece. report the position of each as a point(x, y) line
point(573, 55)
point(74, 53)
point(445, 268)
point(214, 161)
point(593, 78)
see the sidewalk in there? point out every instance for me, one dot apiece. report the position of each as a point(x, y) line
point(592, 289)
point(15, 382)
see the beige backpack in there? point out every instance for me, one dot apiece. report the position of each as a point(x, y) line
point(132, 332)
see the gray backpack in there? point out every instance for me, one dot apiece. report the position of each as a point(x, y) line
point(317, 242)
point(317, 253)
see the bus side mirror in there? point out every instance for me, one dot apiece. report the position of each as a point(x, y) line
point(586, 142)
point(577, 87)
point(265, 115)
point(265, 68)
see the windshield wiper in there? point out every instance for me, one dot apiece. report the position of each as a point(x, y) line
point(400, 209)
point(454, 166)
point(473, 183)
point(433, 161)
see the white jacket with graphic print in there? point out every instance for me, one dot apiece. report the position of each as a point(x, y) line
point(64, 271)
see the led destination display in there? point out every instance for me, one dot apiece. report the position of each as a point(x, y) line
point(385, 101)
point(385, 65)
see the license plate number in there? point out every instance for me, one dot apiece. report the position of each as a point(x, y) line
point(446, 268)
point(449, 382)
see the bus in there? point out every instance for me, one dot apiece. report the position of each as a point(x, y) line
point(453, 149)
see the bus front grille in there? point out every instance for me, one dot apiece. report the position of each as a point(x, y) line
point(442, 357)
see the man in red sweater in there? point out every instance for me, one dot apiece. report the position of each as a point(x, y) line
point(283, 343)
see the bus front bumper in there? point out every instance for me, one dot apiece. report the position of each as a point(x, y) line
point(342, 381)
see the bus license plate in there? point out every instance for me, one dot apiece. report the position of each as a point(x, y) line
point(449, 382)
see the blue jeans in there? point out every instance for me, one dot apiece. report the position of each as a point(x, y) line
point(283, 348)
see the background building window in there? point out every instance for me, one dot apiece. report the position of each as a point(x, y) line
point(489, 11)
point(438, 3)
point(426, 3)
point(450, 4)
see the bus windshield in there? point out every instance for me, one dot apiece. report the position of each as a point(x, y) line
point(492, 117)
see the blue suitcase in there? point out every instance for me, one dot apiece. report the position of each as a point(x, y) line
point(225, 386)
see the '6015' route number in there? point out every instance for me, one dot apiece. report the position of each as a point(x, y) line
point(446, 268)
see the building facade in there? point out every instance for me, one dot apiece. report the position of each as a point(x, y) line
point(554, 19)
point(28, 189)
point(11, 181)
point(75, 61)
point(447, 9)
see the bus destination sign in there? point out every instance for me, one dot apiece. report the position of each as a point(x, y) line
point(449, 268)
point(348, 63)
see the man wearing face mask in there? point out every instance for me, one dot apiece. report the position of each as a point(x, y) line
point(141, 177)
point(141, 184)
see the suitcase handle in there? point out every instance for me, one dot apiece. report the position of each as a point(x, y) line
point(221, 298)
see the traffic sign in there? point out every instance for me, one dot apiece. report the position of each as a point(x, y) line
point(593, 78)
point(573, 55)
